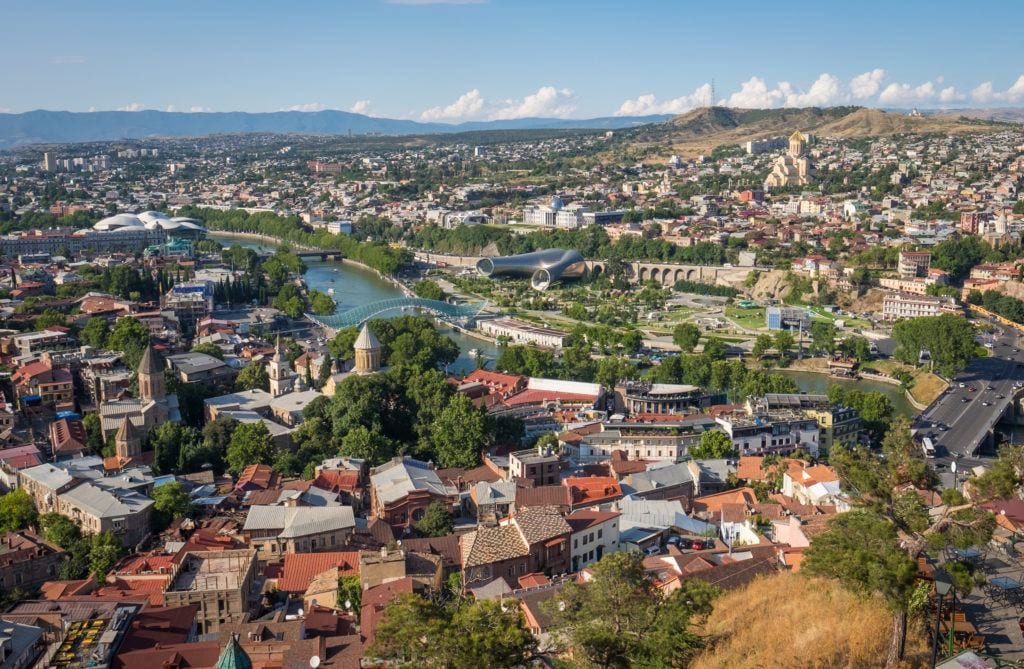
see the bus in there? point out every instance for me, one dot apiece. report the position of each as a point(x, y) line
point(928, 447)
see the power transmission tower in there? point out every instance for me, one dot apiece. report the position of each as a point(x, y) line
point(711, 102)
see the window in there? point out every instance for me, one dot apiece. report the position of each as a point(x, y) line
point(522, 568)
point(599, 533)
point(575, 543)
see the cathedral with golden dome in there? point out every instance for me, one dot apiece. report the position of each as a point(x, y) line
point(792, 168)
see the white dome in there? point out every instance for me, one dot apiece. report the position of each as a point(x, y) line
point(165, 223)
point(118, 221)
point(152, 216)
point(557, 203)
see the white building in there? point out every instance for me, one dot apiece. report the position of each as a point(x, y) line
point(595, 533)
point(520, 332)
point(906, 305)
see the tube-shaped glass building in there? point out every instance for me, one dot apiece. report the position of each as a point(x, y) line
point(542, 267)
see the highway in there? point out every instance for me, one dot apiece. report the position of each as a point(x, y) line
point(959, 420)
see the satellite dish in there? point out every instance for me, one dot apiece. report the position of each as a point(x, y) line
point(300, 612)
point(348, 604)
point(314, 661)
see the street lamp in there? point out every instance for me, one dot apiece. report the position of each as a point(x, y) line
point(952, 468)
point(943, 584)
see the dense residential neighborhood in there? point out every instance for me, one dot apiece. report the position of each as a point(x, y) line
point(713, 382)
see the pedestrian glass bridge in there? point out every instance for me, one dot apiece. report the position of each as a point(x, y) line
point(460, 314)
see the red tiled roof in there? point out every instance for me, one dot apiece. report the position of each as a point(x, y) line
point(257, 476)
point(338, 481)
point(144, 564)
point(300, 569)
point(593, 489)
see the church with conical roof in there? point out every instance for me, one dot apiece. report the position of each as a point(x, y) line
point(368, 359)
point(151, 407)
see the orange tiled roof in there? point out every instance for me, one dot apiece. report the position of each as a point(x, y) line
point(300, 569)
point(593, 489)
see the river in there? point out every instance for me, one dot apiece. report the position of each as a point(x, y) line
point(818, 383)
point(354, 286)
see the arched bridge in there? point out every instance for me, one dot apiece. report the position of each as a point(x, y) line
point(461, 314)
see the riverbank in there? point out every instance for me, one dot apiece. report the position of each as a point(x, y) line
point(274, 241)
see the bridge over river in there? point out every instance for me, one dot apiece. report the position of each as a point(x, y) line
point(461, 314)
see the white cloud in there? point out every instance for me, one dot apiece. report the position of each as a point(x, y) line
point(896, 93)
point(308, 107)
point(986, 92)
point(867, 84)
point(548, 101)
point(754, 94)
point(950, 94)
point(467, 106)
point(360, 107)
point(132, 107)
point(170, 108)
point(196, 108)
point(5, 110)
point(645, 105)
point(826, 90)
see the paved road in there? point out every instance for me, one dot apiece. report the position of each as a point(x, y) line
point(959, 420)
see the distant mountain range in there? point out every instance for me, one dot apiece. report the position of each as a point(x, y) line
point(52, 127)
point(696, 131)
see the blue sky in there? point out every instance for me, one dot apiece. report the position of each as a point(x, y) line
point(459, 60)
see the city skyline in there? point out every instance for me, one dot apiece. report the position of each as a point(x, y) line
point(467, 60)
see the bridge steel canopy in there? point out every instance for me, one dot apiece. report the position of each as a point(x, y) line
point(457, 313)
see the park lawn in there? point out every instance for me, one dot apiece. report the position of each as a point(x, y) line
point(752, 319)
point(927, 387)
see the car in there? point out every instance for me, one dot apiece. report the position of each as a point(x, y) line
point(963, 385)
point(943, 428)
point(964, 399)
point(991, 388)
point(986, 404)
point(652, 550)
point(1000, 397)
point(674, 540)
point(699, 545)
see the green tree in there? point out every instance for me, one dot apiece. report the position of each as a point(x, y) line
point(93, 433)
point(170, 501)
point(619, 619)
point(414, 632)
point(168, 440)
point(104, 553)
point(714, 349)
point(131, 337)
point(60, 530)
point(250, 444)
point(321, 303)
point(95, 331)
point(429, 290)
point(874, 548)
point(350, 590)
point(459, 433)
point(209, 349)
point(948, 338)
point(49, 318)
point(686, 336)
point(436, 521)
point(714, 444)
point(784, 342)
point(253, 377)
point(368, 444)
point(823, 337)
point(762, 344)
point(16, 511)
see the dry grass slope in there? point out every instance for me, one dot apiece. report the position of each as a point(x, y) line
point(700, 130)
point(801, 623)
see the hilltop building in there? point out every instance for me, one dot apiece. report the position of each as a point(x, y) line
point(792, 168)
